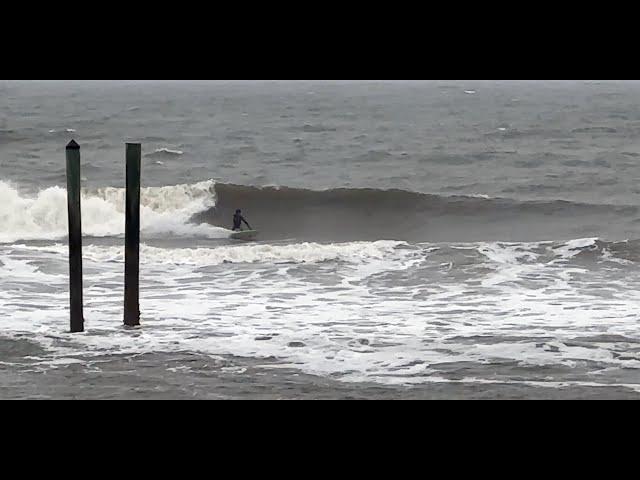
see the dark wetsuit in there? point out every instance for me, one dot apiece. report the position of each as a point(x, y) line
point(237, 222)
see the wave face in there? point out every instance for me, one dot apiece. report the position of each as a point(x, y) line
point(205, 209)
point(164, 211)
point(369, 214)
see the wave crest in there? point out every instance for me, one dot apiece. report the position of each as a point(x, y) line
point(164, 210)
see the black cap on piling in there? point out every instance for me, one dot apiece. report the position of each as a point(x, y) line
point(72, 145)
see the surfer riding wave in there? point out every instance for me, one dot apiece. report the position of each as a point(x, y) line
point(237, 221)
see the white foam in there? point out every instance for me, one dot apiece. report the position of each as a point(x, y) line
point(573, 247)
point(354, 252)
point(164, 210)
point(509, 253)
point(68, 130)
point(367, 311)
point(21, 270)
point(169, 151)
point(514, 262)
point(607, 256)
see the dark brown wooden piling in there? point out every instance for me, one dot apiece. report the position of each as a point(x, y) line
point(75, 236)
point(132, 236)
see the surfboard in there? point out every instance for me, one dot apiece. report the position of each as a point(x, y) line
point(244, 235)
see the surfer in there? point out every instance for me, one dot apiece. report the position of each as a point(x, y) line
point(238, 219)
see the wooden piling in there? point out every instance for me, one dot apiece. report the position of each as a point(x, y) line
point(132, 236)
point(75, 236)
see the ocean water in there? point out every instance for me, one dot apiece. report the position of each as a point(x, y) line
point(412, 234)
